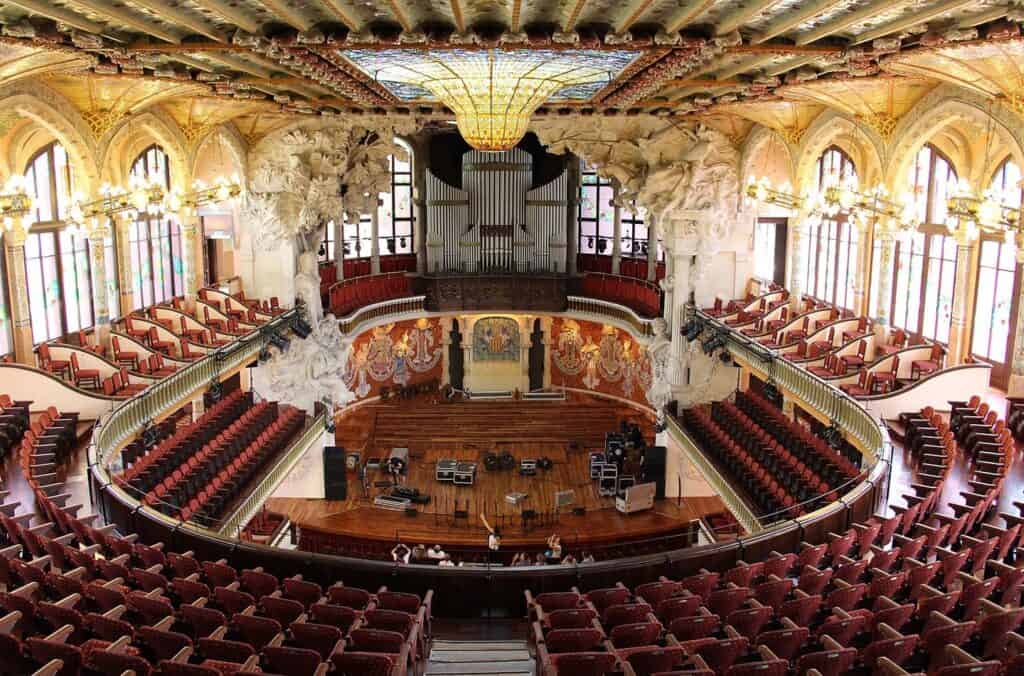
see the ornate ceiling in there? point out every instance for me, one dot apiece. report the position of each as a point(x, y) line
point(733, 63)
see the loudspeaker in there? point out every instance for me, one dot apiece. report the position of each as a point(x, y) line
point(529, 514)
point(654, 469)
point(411, 511)
point(461, 514)
point(335, 477)
point(579, 511)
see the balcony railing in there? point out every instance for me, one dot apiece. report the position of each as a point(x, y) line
point(177, 389)
point(808, 390)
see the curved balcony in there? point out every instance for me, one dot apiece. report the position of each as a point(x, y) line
point(462, 588)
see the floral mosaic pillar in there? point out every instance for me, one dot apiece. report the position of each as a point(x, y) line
point(21, 321)
point(124, 262)
point(680, 284)
point(797, 253)
point(101, 309)
point(962, 292)
point(883, 279)
point(189, 224)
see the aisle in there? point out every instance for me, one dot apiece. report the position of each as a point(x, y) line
point(472, 658)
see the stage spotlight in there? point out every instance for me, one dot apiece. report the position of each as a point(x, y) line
point(264, 354)
point(687, 327)
point(302, 329)
point(693, 331)
point(279, 341)
point(725, 357)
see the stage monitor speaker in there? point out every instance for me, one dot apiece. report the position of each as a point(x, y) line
point(654, 469)
point(411, 511)
point(461, 514)
point(579, 511)
point(335, 477)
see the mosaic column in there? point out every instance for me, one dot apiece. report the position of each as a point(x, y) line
point(189, 224)
point(652, 248)
point(797, 254)
point(375, 240)
point(21, 319)
point(961, 295)
point(101, 309)
point(124, 263)
point(883, 279)
point(860, 274)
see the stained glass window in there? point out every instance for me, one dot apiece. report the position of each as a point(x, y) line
point(994, 320)
point(155, 241)
point(925, 263)
point(832, 244)
point(395, 216)
point(596, 215)
point(57, 263)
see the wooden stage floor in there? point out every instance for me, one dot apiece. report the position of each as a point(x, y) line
point(565, 432)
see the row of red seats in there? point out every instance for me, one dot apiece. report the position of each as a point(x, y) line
point(196, 470)
point(628, 267)
point(640, 295)
point(925, 604)
point(798, 438)
point(353, 294)
point(170, 452)
point(228, 484)
point(744, 469)
point(101, 603)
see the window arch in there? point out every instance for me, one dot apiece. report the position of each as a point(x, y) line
point(396, 220)
point(925, 262)
point(154, 241)
point(595, 221)
point(58, 270)
point(833, 243)
point(998, 284)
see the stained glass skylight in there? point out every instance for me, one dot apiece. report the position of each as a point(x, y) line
point(492, 92)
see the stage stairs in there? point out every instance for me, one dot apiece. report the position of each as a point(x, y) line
point(483, 658)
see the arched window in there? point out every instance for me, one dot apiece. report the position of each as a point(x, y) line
point(155, 241)
point(57, 261)
point(998, 285)
point(925, 262)
point(832, 244)
point(395, 221)
point(595, 221)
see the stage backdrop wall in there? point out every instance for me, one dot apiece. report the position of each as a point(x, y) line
point(396, 354)
point(600, 358)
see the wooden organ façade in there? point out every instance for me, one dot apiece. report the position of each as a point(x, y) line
point(495, 223)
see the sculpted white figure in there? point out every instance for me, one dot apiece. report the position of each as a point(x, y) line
point(307, 285)
point(676, 173)
point(310, 371)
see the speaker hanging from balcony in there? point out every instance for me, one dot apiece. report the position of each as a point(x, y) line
point(335, 477)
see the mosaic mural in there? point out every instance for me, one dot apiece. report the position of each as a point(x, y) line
point(400, 353)
point(601, 358)
point(496, 339)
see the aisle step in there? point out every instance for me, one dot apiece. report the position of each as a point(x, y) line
point(479, 658)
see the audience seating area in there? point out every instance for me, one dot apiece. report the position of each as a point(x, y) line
point(165, 337)
point(778, 463)
point(79, 598)
point(935, 588)
point(196, 471)
point(810, 337)
point(351, 294)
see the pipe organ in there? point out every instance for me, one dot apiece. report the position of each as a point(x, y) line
point(495, 223)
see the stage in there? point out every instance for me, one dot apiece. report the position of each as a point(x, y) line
point(563, 431)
